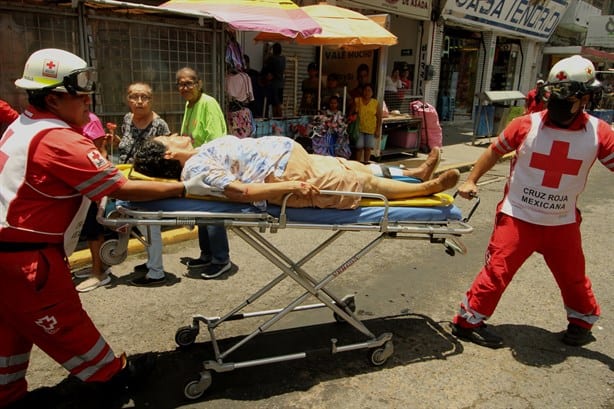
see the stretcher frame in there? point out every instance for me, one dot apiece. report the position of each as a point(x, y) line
point(250, 227)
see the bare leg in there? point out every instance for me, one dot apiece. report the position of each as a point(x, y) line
point(367, 154)
point(426, 169)
point(359, 154)
point(98, 267)
point(394, 189)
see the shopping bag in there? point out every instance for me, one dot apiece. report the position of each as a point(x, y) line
point(353, 129)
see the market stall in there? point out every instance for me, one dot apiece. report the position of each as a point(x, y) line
point(346, 36)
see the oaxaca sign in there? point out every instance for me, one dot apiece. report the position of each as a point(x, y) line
point(536, 19)
point(416, 9)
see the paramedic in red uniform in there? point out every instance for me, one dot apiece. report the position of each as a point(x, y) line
point(48, 174)
point(536, 98)
point(555, 150)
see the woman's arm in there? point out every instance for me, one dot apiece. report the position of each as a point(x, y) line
point(378, 117)
point(253, 192)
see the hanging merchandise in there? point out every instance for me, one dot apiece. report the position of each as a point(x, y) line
point(241, 123)
point(239, 89)
point(234, 56)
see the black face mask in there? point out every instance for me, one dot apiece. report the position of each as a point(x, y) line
point(559, 111)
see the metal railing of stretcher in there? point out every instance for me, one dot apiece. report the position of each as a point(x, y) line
point(250, 227)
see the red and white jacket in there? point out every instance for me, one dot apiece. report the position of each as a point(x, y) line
point(46, 167)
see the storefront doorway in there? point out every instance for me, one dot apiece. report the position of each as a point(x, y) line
point(504, 65)
point(459, 67)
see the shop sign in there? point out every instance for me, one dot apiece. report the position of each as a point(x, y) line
point(536, 19)
point(415, 9)
point(600, 31)
point(345, 62)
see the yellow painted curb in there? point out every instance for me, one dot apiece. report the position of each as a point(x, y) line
point(82, 258)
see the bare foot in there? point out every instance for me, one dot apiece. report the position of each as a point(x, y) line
point(447, 180)
point(426, 169)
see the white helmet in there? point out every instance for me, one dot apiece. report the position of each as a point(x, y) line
point(572, 76)
point(59, 70)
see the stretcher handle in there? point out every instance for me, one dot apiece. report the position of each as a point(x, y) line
point(473, 208)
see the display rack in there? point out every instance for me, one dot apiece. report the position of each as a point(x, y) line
point(492, 112)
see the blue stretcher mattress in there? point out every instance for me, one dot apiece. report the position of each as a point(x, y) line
point(371, 214)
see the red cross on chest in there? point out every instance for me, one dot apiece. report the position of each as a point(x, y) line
point(556, 164)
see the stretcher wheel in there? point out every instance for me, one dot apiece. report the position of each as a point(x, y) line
point(379, 356)
point(351, 304)
point(109, 253)
point(185, 336)
point(195, 389)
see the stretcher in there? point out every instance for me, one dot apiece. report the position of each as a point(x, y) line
point(437, 220)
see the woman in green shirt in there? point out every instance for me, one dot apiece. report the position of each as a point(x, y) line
point(203, 118)
point(204, 121)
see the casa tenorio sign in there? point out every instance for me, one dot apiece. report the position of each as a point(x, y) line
point(526, 17)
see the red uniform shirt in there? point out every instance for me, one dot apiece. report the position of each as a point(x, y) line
point(41, 187)
point(533, 104)
point(7, 114)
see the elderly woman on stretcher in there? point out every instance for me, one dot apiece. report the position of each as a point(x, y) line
point(268, 168)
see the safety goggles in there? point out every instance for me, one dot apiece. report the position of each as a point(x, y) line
point(564, 90)
point(82, 81)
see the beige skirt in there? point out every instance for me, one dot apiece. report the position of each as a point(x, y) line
point(325, 172)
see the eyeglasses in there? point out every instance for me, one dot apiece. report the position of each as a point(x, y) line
point(563, 90)
point(137, 97)
point(82, 81)
point(187, 85)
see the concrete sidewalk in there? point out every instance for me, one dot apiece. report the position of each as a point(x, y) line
point(458, 152)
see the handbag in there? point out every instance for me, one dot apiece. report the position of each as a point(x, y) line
point(353, 129)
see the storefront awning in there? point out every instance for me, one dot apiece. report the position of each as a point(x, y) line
point(340, 27)
point(271, 16)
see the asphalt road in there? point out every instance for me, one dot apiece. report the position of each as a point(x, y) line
point(409, 288)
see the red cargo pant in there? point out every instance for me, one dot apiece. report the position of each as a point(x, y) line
point(39, 305)
point(511, 243)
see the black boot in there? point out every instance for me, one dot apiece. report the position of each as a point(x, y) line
point(479, 335)
point(577, 336)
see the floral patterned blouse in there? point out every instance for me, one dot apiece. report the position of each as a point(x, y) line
point(248, 160)
point(133, 137)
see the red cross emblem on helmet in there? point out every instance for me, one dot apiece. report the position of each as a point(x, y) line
point(561, 76)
